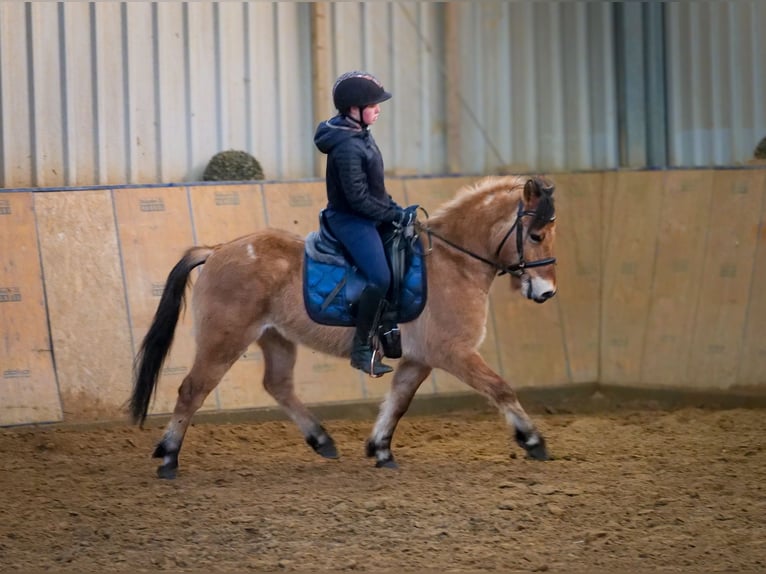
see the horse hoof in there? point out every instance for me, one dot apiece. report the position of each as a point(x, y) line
point(389, 463)
point(538, 452)
point(167, 471)
point(327, 450)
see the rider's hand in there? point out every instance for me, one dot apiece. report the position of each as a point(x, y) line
point(409, 215)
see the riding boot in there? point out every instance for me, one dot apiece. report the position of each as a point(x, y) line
point(363, 356)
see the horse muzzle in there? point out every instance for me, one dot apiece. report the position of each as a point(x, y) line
point(543, 297)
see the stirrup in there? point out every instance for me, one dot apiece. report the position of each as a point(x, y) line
point(373, 356)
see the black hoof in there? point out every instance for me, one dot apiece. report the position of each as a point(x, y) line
point(538, 452)
point(535, 451)
point(167, 471)
point(389, 463)
point(326, 449)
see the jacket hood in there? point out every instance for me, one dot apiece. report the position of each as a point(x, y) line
point(334, 131)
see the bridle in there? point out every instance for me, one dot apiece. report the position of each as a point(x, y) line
point(516, 269)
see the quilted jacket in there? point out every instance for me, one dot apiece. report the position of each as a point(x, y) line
point(355, 180)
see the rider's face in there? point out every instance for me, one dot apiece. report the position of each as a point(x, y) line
point(370, 114)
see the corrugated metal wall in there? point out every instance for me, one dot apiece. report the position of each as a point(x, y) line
point(716, 81)
point(145, 92)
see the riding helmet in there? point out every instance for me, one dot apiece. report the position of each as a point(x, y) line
point(357, 89)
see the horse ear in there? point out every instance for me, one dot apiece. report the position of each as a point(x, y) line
point(531, 190)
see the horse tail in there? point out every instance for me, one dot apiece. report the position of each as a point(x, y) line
point(156, 344)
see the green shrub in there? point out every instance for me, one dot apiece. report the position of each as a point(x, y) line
point(232, 165)
point(760, 150)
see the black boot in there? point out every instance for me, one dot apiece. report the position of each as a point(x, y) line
point(363, 356)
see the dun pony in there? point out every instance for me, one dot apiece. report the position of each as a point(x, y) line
point(250, 289)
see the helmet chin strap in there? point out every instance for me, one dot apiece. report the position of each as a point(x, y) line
point(360, 121)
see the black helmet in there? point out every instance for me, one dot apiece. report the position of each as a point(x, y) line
point(357, 89)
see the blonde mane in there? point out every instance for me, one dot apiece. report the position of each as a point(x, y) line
point(468, 194)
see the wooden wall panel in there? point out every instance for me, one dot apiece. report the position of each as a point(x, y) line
point(579, 228)
point(86, 302)
point(735, 213)
point(530, 338)
point(628, 269)
point(318, 377)
point(154, 227)
point(680, 252)
point(222, 213)
point(28, 389)
point(752, 365)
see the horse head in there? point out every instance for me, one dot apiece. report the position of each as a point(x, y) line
point(530, 255)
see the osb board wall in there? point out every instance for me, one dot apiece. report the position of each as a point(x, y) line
point(660, 276)
point(579, 231)
point(87, 310)
point(28, 391)
point(627, 273)
point(726, 288)
point(683, 262)
point(154, 229)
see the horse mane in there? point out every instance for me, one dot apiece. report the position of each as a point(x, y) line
point(467, 197)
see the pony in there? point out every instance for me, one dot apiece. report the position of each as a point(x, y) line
point(250, 290)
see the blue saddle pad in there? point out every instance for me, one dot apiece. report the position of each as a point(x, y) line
point(331, 285)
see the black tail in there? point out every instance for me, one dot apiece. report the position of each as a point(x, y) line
point(156, 344)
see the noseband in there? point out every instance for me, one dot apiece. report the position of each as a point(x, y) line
point(516, 269)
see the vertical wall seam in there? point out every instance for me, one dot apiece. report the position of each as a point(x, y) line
point(48, 325)
point(97, 136)
point(700, 277)
point(64, 79)
point(127, 120)
point(3, 165)
point(653, 285)
point(278, 84)
point(33, 147)
point(218, 76)
point(121, 258)
point(189, 142)
point(156, 76)
point(247, 71)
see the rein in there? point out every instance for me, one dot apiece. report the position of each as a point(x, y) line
point(516, 269)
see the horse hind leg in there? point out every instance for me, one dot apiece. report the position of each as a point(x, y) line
point(279, 356)
point(210, 365)
point(408, 377)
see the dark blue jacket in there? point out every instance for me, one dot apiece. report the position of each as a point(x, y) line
point(355, 180)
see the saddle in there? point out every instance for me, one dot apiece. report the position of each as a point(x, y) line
point(332, 284)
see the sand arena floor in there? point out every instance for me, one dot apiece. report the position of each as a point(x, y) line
point(629, 491)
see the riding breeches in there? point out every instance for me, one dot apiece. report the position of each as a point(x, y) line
point(362, 241)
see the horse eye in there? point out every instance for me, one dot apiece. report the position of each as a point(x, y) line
point(536, 237)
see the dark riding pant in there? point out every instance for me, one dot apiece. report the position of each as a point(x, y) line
point(362, 241)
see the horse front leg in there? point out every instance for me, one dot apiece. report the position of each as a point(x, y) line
point(407, 378)
point(474, 371)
